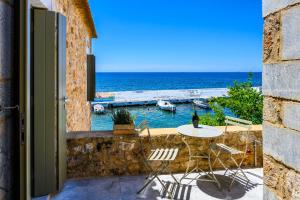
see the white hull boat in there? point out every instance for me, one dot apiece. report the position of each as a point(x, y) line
point(201, 104)
point(98, 109)
point(166, 105)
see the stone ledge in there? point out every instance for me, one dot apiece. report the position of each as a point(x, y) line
point(153, 131)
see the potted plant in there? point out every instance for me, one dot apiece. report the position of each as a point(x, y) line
point(123, 122)
point(195, 119)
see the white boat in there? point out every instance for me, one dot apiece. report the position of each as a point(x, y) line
point(201, 104)
point(98, 109)
point(166, 105)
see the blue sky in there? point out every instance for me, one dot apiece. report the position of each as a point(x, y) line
point(178, 35)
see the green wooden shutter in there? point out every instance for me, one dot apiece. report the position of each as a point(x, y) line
point(91, 73)
point(62, 160)
point(44, 109)
point(49, 91)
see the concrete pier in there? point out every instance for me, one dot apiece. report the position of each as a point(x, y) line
point(150, 97)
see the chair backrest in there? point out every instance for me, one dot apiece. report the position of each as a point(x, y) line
point(240, 123)
point(143, 126)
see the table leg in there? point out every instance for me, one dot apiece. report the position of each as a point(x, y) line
point(210, 174)
point(211, 170)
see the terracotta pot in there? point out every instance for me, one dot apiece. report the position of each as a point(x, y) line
point(123, 129)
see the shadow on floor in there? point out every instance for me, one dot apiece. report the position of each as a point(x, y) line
point(179, 191)
point(238, 190)
point(126, 187)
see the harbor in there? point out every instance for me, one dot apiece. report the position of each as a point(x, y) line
point(144, 105)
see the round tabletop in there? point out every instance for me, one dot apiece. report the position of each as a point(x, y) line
point(202, 131)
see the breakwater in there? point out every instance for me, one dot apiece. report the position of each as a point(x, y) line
point(150, 97)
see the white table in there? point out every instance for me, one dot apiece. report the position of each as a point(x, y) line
point(202, 131)
point(205, 132)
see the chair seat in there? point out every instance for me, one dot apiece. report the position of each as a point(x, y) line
point(163, 154)
point(226, 149)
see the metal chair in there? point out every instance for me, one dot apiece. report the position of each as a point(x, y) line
point(219, 149)
point(163, 155)
point(198, 157)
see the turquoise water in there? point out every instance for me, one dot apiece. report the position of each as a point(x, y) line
point(157, 118)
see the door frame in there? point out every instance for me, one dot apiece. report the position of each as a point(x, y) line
point(24, 62)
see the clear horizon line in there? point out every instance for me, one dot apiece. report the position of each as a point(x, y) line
point(183, 72)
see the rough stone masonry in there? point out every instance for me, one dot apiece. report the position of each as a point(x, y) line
point(78, 108)
point(281, 88)
point(100, 153)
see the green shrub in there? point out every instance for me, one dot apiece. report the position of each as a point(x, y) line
point(216, 119)
point(243, 100)
point(122, 116)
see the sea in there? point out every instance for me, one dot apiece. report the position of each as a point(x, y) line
point(112, 82)
point(109, 82)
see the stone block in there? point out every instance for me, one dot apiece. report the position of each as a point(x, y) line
point(282, 144)
point(271, 110)
point(272, 37)
point(290, 33)
point(271, 6)
point(291, 115)
point(280, 179)
point(6, 40)
point(282, 80)
point(269, 195)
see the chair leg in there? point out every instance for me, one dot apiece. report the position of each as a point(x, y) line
point(220, 161)
point(174, 178)
point(161, 168)
point(210, 167)
point(187, 171)
point(149, 168)
point(238, 165)
point(145, 185)
point(165, 188)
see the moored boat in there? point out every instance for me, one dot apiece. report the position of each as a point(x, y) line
point(201, 104)
point(98, 109)
point(166, 105)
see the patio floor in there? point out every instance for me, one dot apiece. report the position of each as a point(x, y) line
point(125, 187)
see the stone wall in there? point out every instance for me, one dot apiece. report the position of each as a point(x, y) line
point(78, 108)
point(99, 154)
point(281, 88)
point(8, 120)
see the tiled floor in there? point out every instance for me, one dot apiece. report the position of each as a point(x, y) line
point(125, 187)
